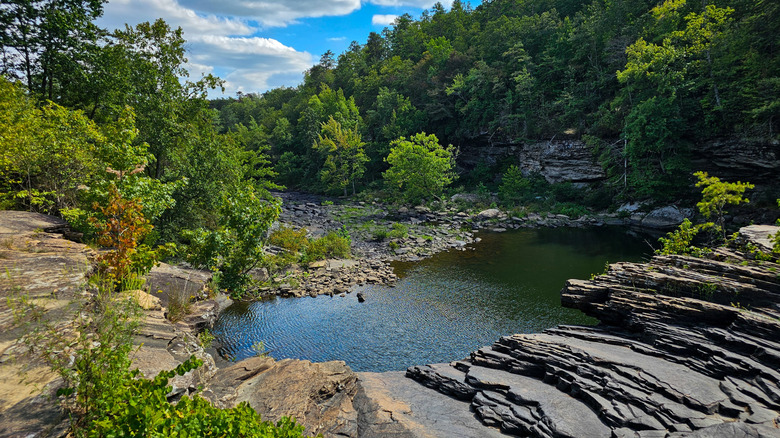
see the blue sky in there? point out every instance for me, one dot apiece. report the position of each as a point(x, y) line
point(256, 45)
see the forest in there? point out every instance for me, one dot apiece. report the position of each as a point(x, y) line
point(644, 83)
point(90, 118)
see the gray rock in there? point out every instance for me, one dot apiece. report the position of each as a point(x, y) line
point(465, 197)
point(665, 217)
point(490, 213)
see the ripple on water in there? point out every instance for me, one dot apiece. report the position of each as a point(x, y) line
point(441, 309)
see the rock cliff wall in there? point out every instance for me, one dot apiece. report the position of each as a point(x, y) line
point(756, 161)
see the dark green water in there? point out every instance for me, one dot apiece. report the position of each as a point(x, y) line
point(442, 308)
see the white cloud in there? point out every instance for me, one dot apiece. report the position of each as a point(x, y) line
point(383, 20)
point(218, 44)
point(118, 12)
point(252, 63)
point(274, 12)
point(337, 39)
point(422, 4)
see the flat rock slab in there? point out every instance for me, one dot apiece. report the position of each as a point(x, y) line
point(318, 395)
point(391, 405)
point(760, 235)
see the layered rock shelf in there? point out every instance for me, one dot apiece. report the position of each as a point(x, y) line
point(686, 347)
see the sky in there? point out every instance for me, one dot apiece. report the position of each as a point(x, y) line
point(257, 45)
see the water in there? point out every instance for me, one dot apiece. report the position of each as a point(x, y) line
point(442, 308)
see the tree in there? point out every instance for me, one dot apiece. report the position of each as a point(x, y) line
point(345, 160)
point(49, 43)
point(716, 195)
point(235, 246)
point(419, 167)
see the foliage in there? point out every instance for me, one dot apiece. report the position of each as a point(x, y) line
point(106, 398)
point(419, 167)
point(344, 156)
point(514, 187)
point(398, 231)
point(680, 241)
point(124, 226)
point(235, 247)
point(331, 245)
point(716, 195)
point(289, 238)
point(46, 153)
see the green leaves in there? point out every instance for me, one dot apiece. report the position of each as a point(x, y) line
point(235, 247)
point(344, 156)
point(420, 167)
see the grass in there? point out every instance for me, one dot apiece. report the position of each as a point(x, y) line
point(179, 302)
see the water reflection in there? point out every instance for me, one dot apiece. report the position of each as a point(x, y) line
point(442, 308)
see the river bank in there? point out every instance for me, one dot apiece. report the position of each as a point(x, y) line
point(383, 233)
point(686, 347)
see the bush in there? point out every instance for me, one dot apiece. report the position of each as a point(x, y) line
point(236, 246)
point(420, 168)
point(399, 231)
point(680, 241)
point(571, 209)
point(107, 399)
point(514, 187)
point(289, 238)
point(332, 245)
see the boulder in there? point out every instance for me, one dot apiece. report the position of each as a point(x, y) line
point(665, 217)
point(470, 198)
point(490, 213)
point(318, 395)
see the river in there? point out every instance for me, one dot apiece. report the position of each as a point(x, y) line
point(441, 309)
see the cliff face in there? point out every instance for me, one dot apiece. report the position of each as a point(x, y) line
point(556, 160)
point(738, 159)
point(755, 161)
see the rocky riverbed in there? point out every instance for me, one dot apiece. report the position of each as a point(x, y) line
point(382, 233)
point(686, 347)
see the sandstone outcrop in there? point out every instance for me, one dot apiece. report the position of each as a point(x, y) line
point(318, 395)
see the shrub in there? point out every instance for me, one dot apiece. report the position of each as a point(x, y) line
point(419, 167)
point(398, 231)
point(236, 246)
point(716, 194)
point(680, 241)
point(332, 245)
point(514, 187)
point(107, 399)
point(289, 238)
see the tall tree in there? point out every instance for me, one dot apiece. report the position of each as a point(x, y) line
point(49, 43)
point(345, 160)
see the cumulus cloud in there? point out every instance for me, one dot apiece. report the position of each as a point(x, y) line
point(218, 44)
point(383, 20)
point(252, 63)
point(118, 12)
point(274, 12)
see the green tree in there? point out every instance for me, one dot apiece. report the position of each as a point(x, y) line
point(514, 186)
point(345, 160)
point(419, 167)
point(49, 43)
point(235, 246)
point(716, 195)
point(46, 154)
